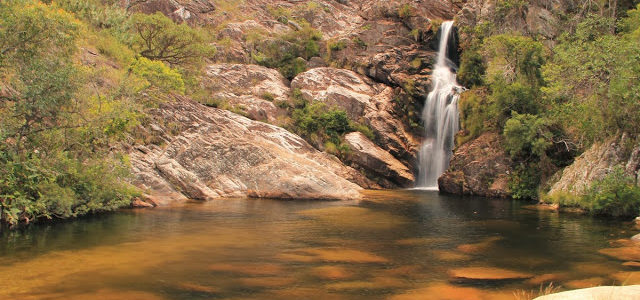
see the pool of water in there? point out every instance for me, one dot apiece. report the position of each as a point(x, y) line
point(393, 244)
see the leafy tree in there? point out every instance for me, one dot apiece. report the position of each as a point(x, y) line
point(525, 136)
point(513, 57)
point(159, 38)
point(158, 75)
point(54, 150)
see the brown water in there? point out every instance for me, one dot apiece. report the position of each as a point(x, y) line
point(395, 244)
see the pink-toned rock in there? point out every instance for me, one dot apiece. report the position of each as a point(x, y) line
point(374, 160)
point(215, 153)
point(480, 167)
point(364, 101)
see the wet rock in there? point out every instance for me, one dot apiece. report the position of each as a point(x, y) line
point(344, 255)
point(331, 272)
point(479, 247)
point(546, 279)
point(627, 278)
point(443, 291)
point(603, 292)
point(383, 166)
point(634, 264)
point(480, 167)
point(137, 203)
point(622, 253)
point(584, 283)
point(247, 269)
point(486, 274)
point(198, 288)
point(214, 153)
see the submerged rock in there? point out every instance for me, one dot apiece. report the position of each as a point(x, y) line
point(208, 153)
point(480, 167)
point(486, 274)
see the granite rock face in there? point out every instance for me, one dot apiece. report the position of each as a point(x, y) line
point(365, 101)
point(595, 163)
point(480, 167)
point(250, 89)
point(373, 160)
point(206, 153)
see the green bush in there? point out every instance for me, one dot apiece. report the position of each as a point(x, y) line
point(288, 52)
point(526, 136)
point(524, 182)
point(159, 38)
point(472, 68)
point(158, 75)
point(615, 195)
point(507, 98)
point(473, 109)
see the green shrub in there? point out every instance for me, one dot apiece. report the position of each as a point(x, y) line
point(526, 136)
point(524, 182)
point(288, 52)
point(268, 96)
point(158, 75)
point(337, 45)
point(473, 109)
point(615, 195)
point(472, 68)
point(405, 11)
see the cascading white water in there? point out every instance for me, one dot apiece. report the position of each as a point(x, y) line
point(440, 116)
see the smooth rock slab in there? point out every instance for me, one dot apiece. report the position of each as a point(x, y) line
point(487, 274)
point(213, 153)
point(631, 292)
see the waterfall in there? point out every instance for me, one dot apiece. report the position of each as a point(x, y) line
point(440, 115)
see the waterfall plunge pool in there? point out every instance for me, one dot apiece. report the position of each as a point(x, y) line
point(393, 244)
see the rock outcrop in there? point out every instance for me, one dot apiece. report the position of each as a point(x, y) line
point(364, 101)
point(480, 167)
point(250, 89)
point(537, 17)
point(595, 163)
point(370, 158)
point(205, 153)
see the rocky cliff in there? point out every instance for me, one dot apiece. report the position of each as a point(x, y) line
point(374, 62)
point(595, 163)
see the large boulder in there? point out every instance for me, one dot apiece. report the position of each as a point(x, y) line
point(367, 156)
point(595, 163)
point(364, 101)
point(204, 153)
point(480, 167)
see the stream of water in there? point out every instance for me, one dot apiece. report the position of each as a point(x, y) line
point(392, 245)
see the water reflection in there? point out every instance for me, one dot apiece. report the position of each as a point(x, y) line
point(400, 244)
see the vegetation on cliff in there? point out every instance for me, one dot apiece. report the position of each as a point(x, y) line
point(553, 99)
point(66, 110)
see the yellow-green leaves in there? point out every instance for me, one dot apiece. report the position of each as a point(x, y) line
point(158, 75)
